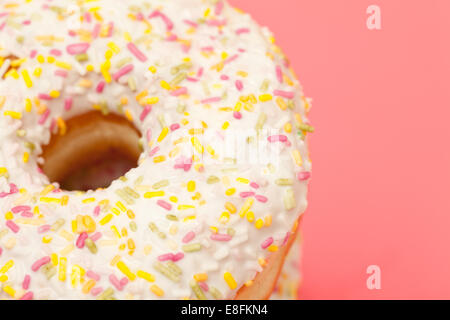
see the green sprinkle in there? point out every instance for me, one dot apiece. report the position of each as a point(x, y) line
point(91, 246)
point(161, 184)
point(165, 271)
point(216, 293)
point(192, 247)
point(107, 294)
point(212, 180)
point(174, 268)
point(284, 182)
point(197, 290)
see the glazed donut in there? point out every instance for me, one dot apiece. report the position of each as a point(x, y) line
point(205, 100)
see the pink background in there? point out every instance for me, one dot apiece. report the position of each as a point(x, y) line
point(381, 181)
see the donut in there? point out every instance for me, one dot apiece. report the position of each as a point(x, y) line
point(200, 97)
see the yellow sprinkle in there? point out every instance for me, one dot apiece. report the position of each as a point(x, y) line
point(124, 269)
point(159, 159)
point(230, 207)
point(13, 114)
point(106, 219)
point(152, 100)
point(191, 186)
point(250, 216)
point(89, 68)
point(26, 78)
point(265, 97)
point(40, 58)
point(54, 94)
point(88, 286)
point(37, 72)
point(243, 180)
point(165, 85)
point(9, 215)
point(8, 265)
point(141, 95)
point(197, 145)
point(152, 69)
point(115, 231)
point(26, 157)
point(157, 290)
point(230, 192)
point(230, 280)
point(62, 269)
point(28, 105)
point(281, 103)
point(297, 158)
point(246, 207)
point(225, 125)
point(163, 134)
point(51, 59)
point(54, 259)
point(3, 278)
point(113, 47)
point(109, 54)
point(63, 65)
point(47, 190)
point(200, 277)
point(62, 126)
point(146, 276)
point(288, 127)
point(273, 248)
point(9, 290)
point(225, 217)
point(242, 74)
point(154, 194)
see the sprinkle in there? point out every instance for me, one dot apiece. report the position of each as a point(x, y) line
point(265, 97)
point(220, 237)
point(289, 199)
point(192, 247)
point(246, 207)
point(277, 138)
point(284, 94)
point(27, 296)
point(145, 112)
point(197, 290)
point(26, 78)
point(242, 30)
point(146, 276)
point(39, 263)
point(211, 100)
point(261, 198)
point(266, 243)
point(26, 282)
point(164, 270)
point(13, 114)
point(78, 48)
point(126, 69)
point(167, 21)
point(179, 92)
point(189, 237)
point(136, 52)
point(279, 74)
point(157, 290)
point(302, 176)
point(246, 194)
point(230, 280)
point(14, 227)
point(164, 204)
point(125, 270)
point(239, 85)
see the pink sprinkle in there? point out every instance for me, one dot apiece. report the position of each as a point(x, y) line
point(72, 33)
point(165, 257)
point(78, 48)
point(38, 264)
point(231, 59)
point(13, 188)
point(61, 73)
point(56, 52)
point(224, 77)
point(26, 22)
point(4, 14)
point(115, 282)
point(91, 274)
point(237, 115)
point(136, 52)
point(27, 214)
point(20, 209)
point(167, 21)
point(110, 29)
point(81, 238)
point(247, 194)
point(266, 243)
point(153, 151)
point(262, 199)
point(239, 85)
point(216, 23)
point(220, 237)
point(179, 92)
point(191, 23)
point(284, 94)
point(96, 211)
point(140, 16)
point(254, 185)
point(96, 236)
point(27, 296)
point(200, 72)
point(33, 54)
point(124, 281)
point(149, 135)
point(68, 104)
point(96, 30)
point(219, 8)
point(2, 26)
point(44, 96)
point(26, 282)
point(178, 257)
point(164, 204)
point(126, 69)
point(277, 138)
point(189, 237)
point(279, 74)
point(211, 100)
point(44, 228)
point(174, 127)
point(87, 16)
point(183, 163)
point(190, 79)
point(209, 48)
point(100, 86)
point(145, 112)
point(96, 291)
point(204, 286)
point(172, 37)
point(1, 250)
point(242, 30)
point(14, 227)
point(302, 176)
point(44, 117)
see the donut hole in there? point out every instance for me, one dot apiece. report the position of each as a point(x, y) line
point(95, 150)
